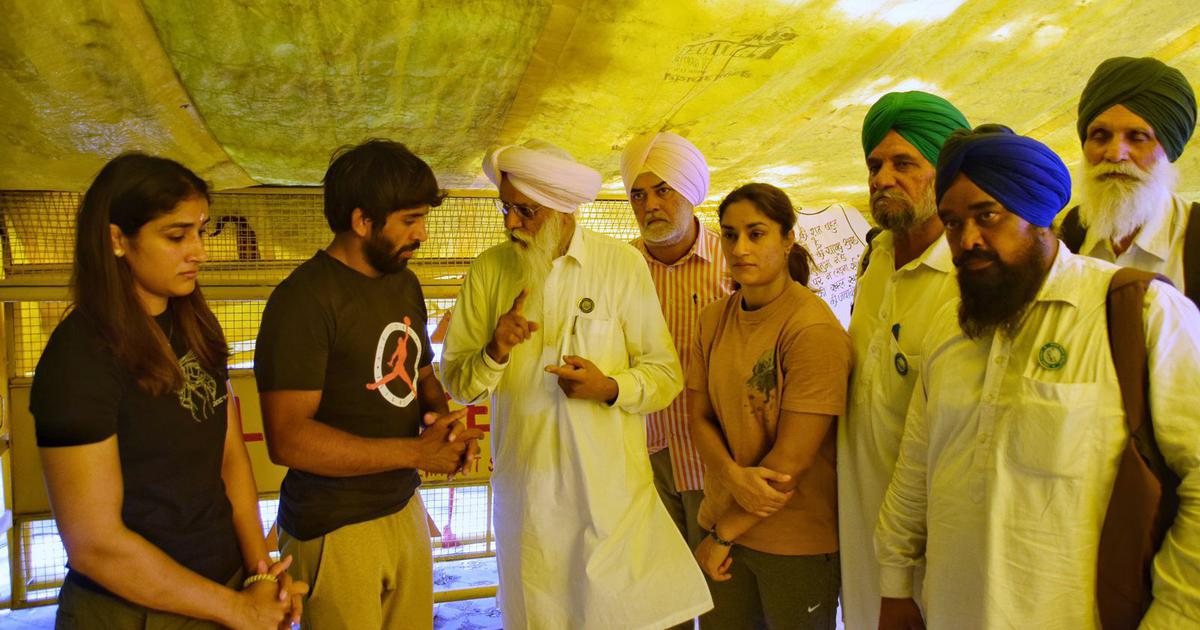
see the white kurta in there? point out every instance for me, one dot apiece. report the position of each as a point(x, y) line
point(1009, 453)
point(869, 434)
point(1158, 246)
point(583, 538)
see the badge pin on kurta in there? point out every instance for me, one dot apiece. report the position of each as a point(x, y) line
point(586, 305)
point(1052, 356)
point(901, 362)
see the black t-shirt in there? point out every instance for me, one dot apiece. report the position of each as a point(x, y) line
point(360, 341)
point(170, 446)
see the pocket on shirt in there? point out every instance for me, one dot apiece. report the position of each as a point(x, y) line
point(896, 390)
point(599, 340)
point(1052, 428)
point(900, 374)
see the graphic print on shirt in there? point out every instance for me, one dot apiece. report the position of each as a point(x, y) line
point(760, 387)
point(398, 362)
point(199, 394)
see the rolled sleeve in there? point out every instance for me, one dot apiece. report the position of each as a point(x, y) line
point(895, 582)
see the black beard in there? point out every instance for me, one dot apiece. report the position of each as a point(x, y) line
point(378, 252)
point(996, 297)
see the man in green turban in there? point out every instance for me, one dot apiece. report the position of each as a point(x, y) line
point(1135, 118)
point(905, 278)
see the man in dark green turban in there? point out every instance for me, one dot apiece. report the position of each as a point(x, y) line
point(1135, 118)
point(906, 277)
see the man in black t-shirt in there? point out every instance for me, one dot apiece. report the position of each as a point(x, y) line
point(343, 369)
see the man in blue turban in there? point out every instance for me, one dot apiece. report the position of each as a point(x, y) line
point(1135, 117)
point(1016, 429)
point(906, 276)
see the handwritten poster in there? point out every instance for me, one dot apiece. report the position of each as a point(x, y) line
point(835, 236)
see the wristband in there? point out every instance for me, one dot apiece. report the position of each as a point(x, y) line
point(259, 577)
point(717, 539)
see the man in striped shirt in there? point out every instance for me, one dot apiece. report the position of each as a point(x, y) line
point(666, 177)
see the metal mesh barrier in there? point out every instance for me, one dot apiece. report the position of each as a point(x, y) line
point(461, 514)
point(40, 560)
point(34, 321)
point(259, 236)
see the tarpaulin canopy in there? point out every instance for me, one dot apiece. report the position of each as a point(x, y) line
point(262, 91)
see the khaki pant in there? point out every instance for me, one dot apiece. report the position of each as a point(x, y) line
point(80, 608)
point(375, 574)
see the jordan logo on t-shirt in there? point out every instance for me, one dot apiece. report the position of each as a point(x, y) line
point(398, 362)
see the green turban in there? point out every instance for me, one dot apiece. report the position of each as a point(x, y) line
point(924, 120)
point(1147, 87)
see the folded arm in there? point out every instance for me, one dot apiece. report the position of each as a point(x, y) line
point(297, 440)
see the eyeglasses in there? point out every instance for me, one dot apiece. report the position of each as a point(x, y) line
point(525, 212)
point(638, 198)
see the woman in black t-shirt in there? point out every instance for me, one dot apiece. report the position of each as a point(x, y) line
point(147, 473)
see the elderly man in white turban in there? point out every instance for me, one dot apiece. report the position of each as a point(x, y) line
point(666, 177)
point(561, 327)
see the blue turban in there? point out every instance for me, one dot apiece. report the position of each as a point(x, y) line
point(1024, 175)
point(1149, 88)
point(924, 120)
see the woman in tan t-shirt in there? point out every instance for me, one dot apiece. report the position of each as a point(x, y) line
point(768, 378)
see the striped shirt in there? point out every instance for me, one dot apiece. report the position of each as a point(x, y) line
point(684, 288)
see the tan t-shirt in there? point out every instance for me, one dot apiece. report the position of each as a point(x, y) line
point(791, 354)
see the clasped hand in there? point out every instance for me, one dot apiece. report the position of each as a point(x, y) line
point(751, 489)
point(447, 446)
point(272, 604)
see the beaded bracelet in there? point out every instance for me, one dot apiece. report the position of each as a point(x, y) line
point(259, 577)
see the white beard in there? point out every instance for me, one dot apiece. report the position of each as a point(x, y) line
point(1116, 208)
point(903, 214)
point(534, 261)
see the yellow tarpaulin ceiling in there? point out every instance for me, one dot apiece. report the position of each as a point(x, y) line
point(261, 91)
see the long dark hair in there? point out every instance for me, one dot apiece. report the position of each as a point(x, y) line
point(129, 192)
point(775, 205)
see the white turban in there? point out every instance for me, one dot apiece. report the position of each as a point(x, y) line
point(544, 173)
point(670, 156)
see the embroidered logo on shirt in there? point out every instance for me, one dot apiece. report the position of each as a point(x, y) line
point(1052, 356)
point(199, 394)
point(398, 362)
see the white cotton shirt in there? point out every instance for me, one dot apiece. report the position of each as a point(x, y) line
point(1158, 246)
point(869, 434)
point(583, 540)
point(1007, 462)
